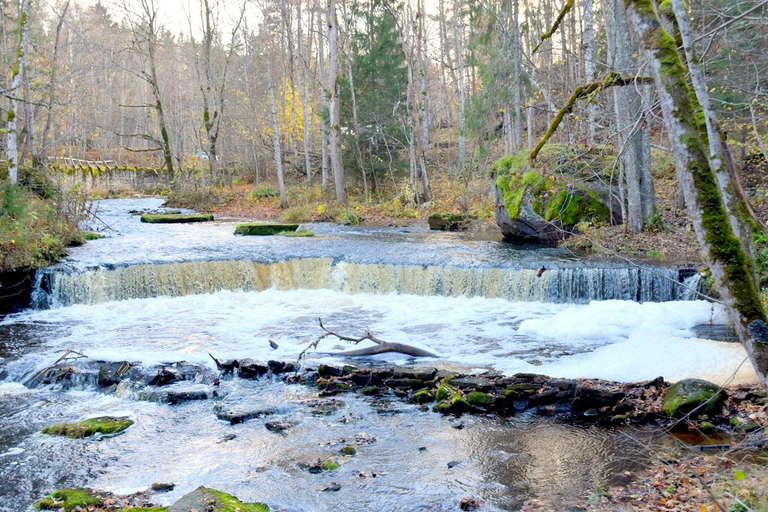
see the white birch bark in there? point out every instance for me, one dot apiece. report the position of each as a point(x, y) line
point(13, 111)
point(335, 88)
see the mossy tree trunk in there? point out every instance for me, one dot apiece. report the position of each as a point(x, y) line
point(684, 122)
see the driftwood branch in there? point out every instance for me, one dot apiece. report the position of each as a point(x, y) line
point(382, 346)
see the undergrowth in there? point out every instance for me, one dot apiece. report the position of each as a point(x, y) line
point(35, 230)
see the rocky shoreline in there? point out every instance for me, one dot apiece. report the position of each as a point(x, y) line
point(689, 405)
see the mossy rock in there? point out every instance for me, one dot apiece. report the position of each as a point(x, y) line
point(211, 500)
point(89, 235)
point(163, 218)
point(68, 499)
point(104, 425)
point(422, 397)
point(684, 397)
point(299, 233)
point(264, 228)
point(444, 391)
point(329, 465)
point(348, 450)
point(447, 221)
point(478, 398)
point(456, 404)
point(546, 202)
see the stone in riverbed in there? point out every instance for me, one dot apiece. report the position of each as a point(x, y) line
point(239, 414)
point(250, 369)
point(279, 426)
point(211, 500)
point(176, 218)
point(68, 499)
point(447, 221)
point(264, 228)
point(684, 397)
point(104, 425)
point(282, 366)
point(178, 396)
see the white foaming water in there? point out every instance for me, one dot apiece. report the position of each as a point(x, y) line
point(616, 340)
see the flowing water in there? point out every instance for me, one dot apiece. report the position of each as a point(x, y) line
point(155, 294)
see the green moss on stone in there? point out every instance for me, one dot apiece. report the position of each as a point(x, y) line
point(329, 465)
point(68, 499)
point(422, 397)
point(570, 208)
point(227, 503)
point(88, 235)
point(456, 404)
point(299, 233)
point(348, 450)
point(105, 425)
point(688, 395)
point(263, 228)
point(176, 219)
point(479, 398)
point(444, 391)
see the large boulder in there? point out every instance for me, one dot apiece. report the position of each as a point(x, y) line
point(545, 202)
point(692, 396)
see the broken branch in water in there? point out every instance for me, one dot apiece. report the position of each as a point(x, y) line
point(381, 347)
point(67, 355)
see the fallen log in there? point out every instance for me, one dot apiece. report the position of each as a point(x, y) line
point(382, 346)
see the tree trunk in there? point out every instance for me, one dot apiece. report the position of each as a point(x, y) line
point(721, 249)
point(275, 126)
point(518, 67)
point(323, 98)
point(335, 129)
point(421, 43)
point(589, 65)
point(52, 83)
point(458, 27)
point(18, 66)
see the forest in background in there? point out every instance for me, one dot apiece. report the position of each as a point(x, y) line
point(404, 92)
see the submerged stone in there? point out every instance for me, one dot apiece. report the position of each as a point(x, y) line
point(264, 228)
point(250, 369)
point(239, 414)
point(422, 397)
point(691, 395)
point(279, 426)
point(176, 218)
point(68, 499)
point(211, 500)
point(104, 425)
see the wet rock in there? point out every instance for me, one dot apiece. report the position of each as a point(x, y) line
point(480, 399)
point(239, 413)
point(250, 369)
point(414, 373)
point(332, 488)
point(456, 404)
point(478, 383)
point(178, 396)
point(227, 366)
point(370, 390)
point(348, 450)
point(519, 391)
point(112, 373)
point(278, 367)
point(586, 398)
point(165, 376)
point(326, 370)
point(696, 397)
point(279, 426)
point(211, 500)
point(447, 221)
point(406, 383)
point(324, 407)
point(469, 504)
point(162, 487)
point(104, 425)
point(453, 464)
point(422, 397)
point(545, 396)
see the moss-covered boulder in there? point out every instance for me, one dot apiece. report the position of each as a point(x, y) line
point(546, 201)
point(211, 500)
point(165, 218)
point(692, 396)
point(104, 425)
point(447, 221)
point(68, 499)
point(264, 228)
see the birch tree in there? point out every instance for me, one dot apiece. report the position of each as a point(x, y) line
point(721, 249)
point(337, 165)
point(18, 65)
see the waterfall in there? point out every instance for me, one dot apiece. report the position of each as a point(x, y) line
point(61, 287)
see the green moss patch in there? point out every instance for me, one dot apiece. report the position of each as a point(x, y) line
point(264, 228)
point(299, 233)
point(479, 398)
point(175, 218)
point(446, 221)
point(105, 425)
point(422, 397)
point(68, 499)
point(88, 235)
point(329, 465)
point(570, 208)
point(204, 498)
point(348, 450)
point(691, 395)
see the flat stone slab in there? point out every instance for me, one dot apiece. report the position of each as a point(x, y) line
point(176, 218)
point(264, 228)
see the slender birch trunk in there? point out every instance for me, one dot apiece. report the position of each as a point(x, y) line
point(275, 126)
point(323, 97)
point(335, 88)
point(18, 65)
point(458, 27)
